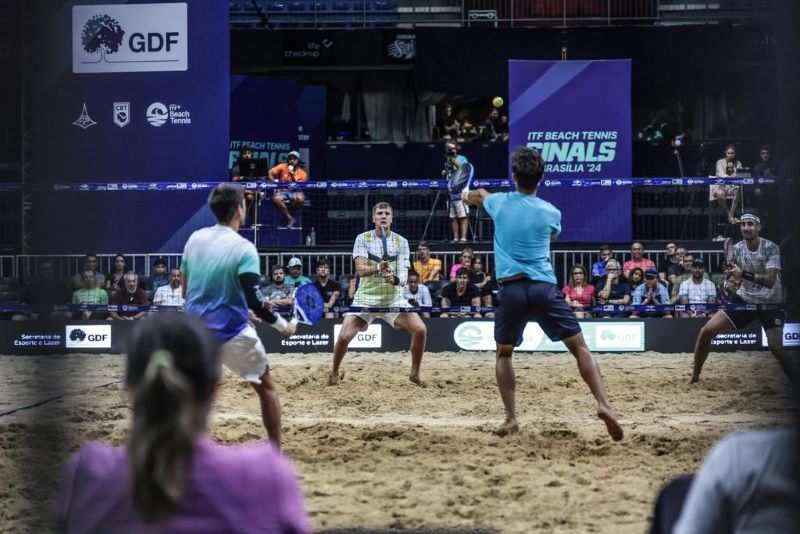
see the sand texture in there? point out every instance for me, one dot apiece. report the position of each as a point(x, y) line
point(379, 453)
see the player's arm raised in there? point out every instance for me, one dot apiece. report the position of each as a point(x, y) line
point(474, 197)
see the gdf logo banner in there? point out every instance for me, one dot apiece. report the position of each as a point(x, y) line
point(370, 339)
point(129, 38)
point(88, 336)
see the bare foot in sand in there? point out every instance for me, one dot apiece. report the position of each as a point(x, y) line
point(509, 427)
point(334, 379)
point(614, 430)
point(418, 381)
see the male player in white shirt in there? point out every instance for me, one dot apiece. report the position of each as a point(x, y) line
point(382, 261)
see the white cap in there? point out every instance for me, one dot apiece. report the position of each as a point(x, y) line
point(295, 262)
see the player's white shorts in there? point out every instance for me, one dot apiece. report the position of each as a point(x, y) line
point(458, 210)
point(245, 355)
point(389, 317)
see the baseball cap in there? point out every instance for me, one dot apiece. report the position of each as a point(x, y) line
point(650, 272)
point(698, 262)
point(294, 153)
point(295, 262)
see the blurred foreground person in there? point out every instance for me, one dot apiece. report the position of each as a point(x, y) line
point(170, 476)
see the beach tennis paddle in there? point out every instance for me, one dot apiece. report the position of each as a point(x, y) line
point(385, 244)
point(461, 178)
point(308, 306)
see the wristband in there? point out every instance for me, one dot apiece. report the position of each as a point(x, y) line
point(279, 324)
point(395, 280)
point(747, 275)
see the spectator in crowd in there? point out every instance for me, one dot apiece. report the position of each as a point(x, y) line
point(90, 263)
point(727, 168)
point(44, 289)
point(671, 261)
point(290, 171)
point(578, 292)
point(169, 475)
point(677, 269)
point(429, 269)
point(296, 277)
point(697, 289)
point(478, 276)
point(599, 267)
point(448, 127)
point(635, 278)
point(766, 166)
point(489, 295)
point(352, 287)
point(172, 293)
point(278, 294)
point(465, 260)
point(461, 293)
point(637, 260)
point(160, 277)
point(90, 294)
point(651, 293)
point(115, 279)
point(457, 210)
point(612, 289)
point(129, 294)
point(416, 294)
point(329, 289)
point(687, 261)
point(493, 127)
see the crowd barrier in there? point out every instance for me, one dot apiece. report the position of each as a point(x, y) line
point(46, 337)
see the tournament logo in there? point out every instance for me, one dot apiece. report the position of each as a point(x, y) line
point(122, 113)
point(157, 114)
point(402, 48)
point(129, 38)
point(84, 121)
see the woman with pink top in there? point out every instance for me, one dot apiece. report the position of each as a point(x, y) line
point(170, 476)
point(579, 293)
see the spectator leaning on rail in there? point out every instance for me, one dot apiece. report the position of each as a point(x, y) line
point(90, 294)
point(172, 293)
point(130, 294)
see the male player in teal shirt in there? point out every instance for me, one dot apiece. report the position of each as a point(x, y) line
point(525, 225)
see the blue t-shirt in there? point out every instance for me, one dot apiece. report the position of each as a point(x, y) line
point(662, 296)
point(523, 226)
point(213, 259)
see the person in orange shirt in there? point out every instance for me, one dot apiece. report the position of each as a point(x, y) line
point(290, 171)
point(637, 260)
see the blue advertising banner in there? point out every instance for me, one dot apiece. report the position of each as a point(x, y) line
point(577, 114)
point(126, 92)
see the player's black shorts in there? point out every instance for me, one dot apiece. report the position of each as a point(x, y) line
point(741, 318)
point(524, 300)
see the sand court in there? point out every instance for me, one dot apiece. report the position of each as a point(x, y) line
point(379, 453)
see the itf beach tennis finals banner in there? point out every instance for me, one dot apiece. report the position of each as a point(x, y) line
point(126, 92)
point(577, 114)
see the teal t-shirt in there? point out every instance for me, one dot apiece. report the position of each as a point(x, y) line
point(213, 259)
point(523, 226)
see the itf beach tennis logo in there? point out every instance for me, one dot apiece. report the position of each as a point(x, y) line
point(129, 38)
point(88, 336)
point(159, 114)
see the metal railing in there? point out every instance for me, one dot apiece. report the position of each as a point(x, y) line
point(25, 267)
point(319, 14)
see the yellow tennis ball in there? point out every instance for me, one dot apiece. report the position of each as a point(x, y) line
point(498, 102)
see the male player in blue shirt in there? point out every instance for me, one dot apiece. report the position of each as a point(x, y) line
point(525, 225)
